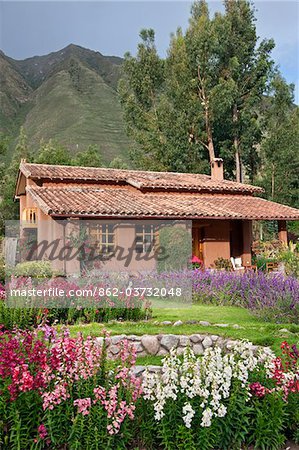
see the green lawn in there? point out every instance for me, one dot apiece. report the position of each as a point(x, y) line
point(258, 332)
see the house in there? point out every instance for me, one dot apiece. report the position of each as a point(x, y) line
point(130, 205)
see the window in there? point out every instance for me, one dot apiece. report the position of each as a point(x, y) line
point(29, 217)
point(103, 237)
point(144, 238)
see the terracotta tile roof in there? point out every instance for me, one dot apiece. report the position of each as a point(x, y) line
point(125, 202)
point(142, 180)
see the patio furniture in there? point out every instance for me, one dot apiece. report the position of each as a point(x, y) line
point(237, 264)
point(271, 267)
point(252, 268)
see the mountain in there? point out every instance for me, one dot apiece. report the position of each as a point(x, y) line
point(14, 93)
point(68, 96)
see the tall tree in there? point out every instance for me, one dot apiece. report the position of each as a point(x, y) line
point(9, 208)
point(89, 157)
point(52, 153)
point(246, 71)
point(208, 96)
point(139, 93)
point(280, 145)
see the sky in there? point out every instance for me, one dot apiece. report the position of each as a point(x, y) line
point(112, 28)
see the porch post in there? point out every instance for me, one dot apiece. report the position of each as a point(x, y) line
point(282, 231)
point(247, 241)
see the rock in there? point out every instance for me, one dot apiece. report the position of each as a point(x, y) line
point(138, 347)
point(169, 341)
point(114, 349)
point(166, 322)
point(284, 330)
point(214, 337)
point(191, 322)
point(162, 352)
point(184, 341)
point(180, 350)
point(220, 342)
point(204, 323)
point(178, 323)
point(195, 338)
point(236, 326)
point(221, 325)
point(198, 349)
point(138, 370)
point(100, 341)
point(134, 338)
point(150, 344)
point(154, 369)
point(118, 339)
point(207, 342)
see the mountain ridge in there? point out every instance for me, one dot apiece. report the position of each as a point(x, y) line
point(69, 96)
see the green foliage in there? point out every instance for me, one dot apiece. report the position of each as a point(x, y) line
point(118, 163)
point(9, 208)
point(91, 157)
point(69, 95)
point(268, 422)
point(2, 267)
point(52, 153)
point(280, 146)
point(34, 269)
point(31, 317)
point(289, 256)
point(222, 263)
point(23, 318)
point(176, 242)
point(206, 94)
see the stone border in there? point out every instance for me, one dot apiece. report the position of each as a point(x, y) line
point(161, 344)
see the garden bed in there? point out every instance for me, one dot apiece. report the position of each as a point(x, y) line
point(64, 393)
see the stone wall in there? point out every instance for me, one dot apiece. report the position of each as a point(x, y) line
point(161, 344)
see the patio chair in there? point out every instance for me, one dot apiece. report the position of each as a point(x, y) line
point(271, 267)
point(252, 268)
point(237, 264)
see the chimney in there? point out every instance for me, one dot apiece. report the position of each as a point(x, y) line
point(217, 169)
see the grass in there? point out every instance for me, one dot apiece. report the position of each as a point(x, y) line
point(253, 329)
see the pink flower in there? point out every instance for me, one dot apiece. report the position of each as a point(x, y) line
point(42, 431)
point(257, 389)
point(83, 405)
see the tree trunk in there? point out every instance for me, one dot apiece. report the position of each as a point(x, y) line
point(205, 102)
point(237, 146)
point(209, 135)
point(273, 182)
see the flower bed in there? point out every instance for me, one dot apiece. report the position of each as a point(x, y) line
point(63, 393)
point(272, 297)
point(91, 304)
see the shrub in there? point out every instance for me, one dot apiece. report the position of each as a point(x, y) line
point(2, 268)
point(289, 256)
point(34, 269)
point(222, 263)
point(176, 241)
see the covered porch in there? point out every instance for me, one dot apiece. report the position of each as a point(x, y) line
point(213, 239)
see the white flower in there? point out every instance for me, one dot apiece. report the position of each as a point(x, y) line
point(188, 414)
point(206, 418)
point(222, 411)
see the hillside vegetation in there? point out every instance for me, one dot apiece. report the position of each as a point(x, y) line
point(69, 96)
